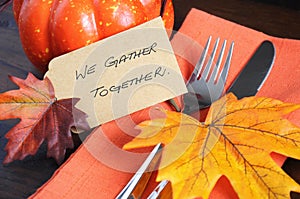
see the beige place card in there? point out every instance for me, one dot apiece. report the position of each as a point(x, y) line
point(119, 75)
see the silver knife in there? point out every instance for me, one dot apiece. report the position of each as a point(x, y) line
point(255, 72)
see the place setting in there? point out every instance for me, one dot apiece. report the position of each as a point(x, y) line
point(210, 110)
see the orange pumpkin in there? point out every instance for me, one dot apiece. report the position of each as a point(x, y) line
point(49, 28)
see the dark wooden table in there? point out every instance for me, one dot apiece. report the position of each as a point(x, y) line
point(20, 179)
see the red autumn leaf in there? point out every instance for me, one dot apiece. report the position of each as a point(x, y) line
point(42, 118)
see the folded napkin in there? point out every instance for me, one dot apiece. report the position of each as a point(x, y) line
point(97, 169)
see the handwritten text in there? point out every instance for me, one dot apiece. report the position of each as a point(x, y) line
point(112, 61)
point(102, 91)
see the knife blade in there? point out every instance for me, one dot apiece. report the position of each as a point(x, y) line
point(255, 72)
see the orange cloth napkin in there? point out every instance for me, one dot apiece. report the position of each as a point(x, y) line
point(98, 170)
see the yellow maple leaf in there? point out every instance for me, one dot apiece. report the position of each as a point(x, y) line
point(235, 141)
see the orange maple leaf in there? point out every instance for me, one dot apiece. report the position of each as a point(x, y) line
point(42, 118)
point(235, 141)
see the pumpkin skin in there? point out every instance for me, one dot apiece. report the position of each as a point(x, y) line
point(49, 28)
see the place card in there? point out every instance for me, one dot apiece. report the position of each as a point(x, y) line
point(120, 74)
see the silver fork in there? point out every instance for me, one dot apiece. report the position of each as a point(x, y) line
point(208, 86)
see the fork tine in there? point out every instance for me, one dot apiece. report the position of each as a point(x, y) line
point(224, 72)
point(210, 61)
point(216, 69)
point(200, 63)
point(210, 86)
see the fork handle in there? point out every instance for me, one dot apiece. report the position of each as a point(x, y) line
point(174, 104)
